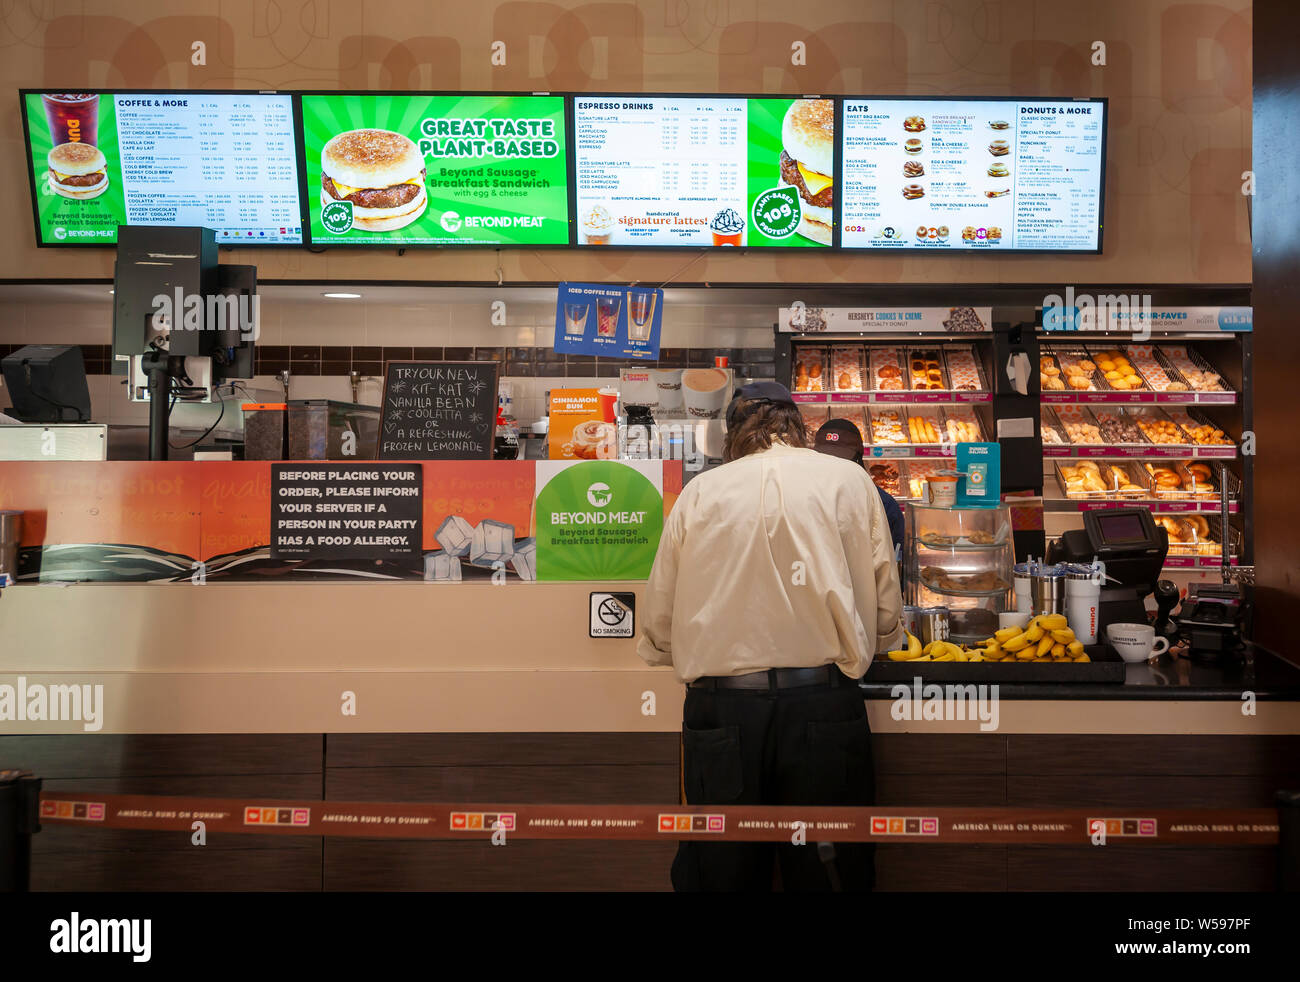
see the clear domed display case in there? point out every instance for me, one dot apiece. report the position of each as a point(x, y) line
point(960, 558)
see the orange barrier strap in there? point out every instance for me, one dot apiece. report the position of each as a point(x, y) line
point(739, 823)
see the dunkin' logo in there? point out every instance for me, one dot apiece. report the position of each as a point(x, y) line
point(478, 821)
point(77, 811)
point(257, 815)
point(692, 823)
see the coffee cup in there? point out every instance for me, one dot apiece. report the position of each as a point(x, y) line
point(1136, 642)
point(1013, 618)
point(668, 382)
point(705, 391)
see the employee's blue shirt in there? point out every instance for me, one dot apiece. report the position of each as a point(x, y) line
point(894, 512)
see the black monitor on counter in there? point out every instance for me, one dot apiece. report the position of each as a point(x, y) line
point(47, 384)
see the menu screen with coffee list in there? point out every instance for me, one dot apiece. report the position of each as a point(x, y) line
point(704, 171)
point(222, 161)
point(1000, 174)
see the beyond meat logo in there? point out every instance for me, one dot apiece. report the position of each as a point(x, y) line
point(451, 221)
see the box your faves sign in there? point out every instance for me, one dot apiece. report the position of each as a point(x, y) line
point(598, 520)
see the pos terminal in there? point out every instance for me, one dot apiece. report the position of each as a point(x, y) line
point(1132, 547)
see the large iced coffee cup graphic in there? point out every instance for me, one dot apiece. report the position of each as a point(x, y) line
point(728, 227)
point(704, 390)
point(640, 314)
point(597, 226)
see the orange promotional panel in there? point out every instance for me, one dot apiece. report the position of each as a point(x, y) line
point(162, 521)
point(101, 520)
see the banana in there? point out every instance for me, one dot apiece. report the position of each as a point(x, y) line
point(963, 657)
point(993, 648)
point(913, 645)
point(1027, 654)
point(1035, 633)
point(1058, 650)
point(922, 658)
point(1083, 657)
point(1006, 634)
point(1053, 622)
point(899, 656)
point(977, 657)
point(1063, 635)
point(929, 648)
point(1044, 658)
point(1045, 645)
point(946, 656)
point(1016, 643)
point(1075, 648)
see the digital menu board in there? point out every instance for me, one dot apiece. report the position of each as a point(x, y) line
point(707, 171)
point(226, 161)
point(407, 169)
point(973, 174)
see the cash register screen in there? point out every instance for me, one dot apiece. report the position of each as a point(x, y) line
point(1122, 529)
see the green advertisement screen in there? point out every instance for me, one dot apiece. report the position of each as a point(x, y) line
point(436, 170)
point(221, 160)
point(704, 171)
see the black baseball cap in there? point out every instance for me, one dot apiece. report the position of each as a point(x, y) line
point(839, 438)
point(771, 392)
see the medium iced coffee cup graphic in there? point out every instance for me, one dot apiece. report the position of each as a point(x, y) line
point(607, 311)
point(597, 226)
point(704, 391)
point(728, 227)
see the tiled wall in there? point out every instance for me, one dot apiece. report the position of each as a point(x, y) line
point(320, 341)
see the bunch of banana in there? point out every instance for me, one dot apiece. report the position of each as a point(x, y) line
point(1046, 638)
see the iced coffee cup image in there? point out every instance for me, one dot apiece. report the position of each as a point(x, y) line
point(668, 383)
point(705, 391)
point(607, 312)
point(728, 227)
point(597, 226)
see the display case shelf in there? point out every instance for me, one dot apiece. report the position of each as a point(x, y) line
point(1157, 507)
point(1129, 398)
point(1155, 451)
point(934, 398)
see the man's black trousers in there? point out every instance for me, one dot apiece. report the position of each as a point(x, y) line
point(800, 746)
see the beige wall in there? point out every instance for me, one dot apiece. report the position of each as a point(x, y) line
point(1177, 74)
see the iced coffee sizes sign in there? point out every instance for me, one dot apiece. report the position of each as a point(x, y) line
point(438, 410)
point(350, 515)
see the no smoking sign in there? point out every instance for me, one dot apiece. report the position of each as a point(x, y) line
point(613, 615)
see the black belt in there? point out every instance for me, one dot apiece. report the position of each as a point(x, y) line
point(774, 678)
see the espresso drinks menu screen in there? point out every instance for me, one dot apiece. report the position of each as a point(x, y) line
point(704, 171)
point(406, 169)
point(222, 161)
point(972, 174)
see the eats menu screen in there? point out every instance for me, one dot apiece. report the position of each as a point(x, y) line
point(973, 174)
point(697, 171)
point(408, 169)
point(224, 161)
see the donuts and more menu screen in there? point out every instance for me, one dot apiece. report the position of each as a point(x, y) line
point(704, 171)
point(436, 170)
point(973, 174)
point(225, 162)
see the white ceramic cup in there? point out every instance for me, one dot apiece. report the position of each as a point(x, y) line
point(705, 391)
point(1136, 642)
point(1013, 618)
point(669, 383)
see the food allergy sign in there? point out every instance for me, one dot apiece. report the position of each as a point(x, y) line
point(346, 511)
point(438, 410)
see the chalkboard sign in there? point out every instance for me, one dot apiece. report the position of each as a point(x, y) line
point(438, 410)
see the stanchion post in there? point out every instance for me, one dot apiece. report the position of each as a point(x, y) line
point(1288, 841)
point(20, 793)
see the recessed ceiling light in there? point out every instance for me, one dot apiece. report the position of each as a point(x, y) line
point(342, 296)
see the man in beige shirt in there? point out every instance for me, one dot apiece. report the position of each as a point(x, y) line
point(774, 585)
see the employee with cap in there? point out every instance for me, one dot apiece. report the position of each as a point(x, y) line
point(841, 438)
point(773, 587)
